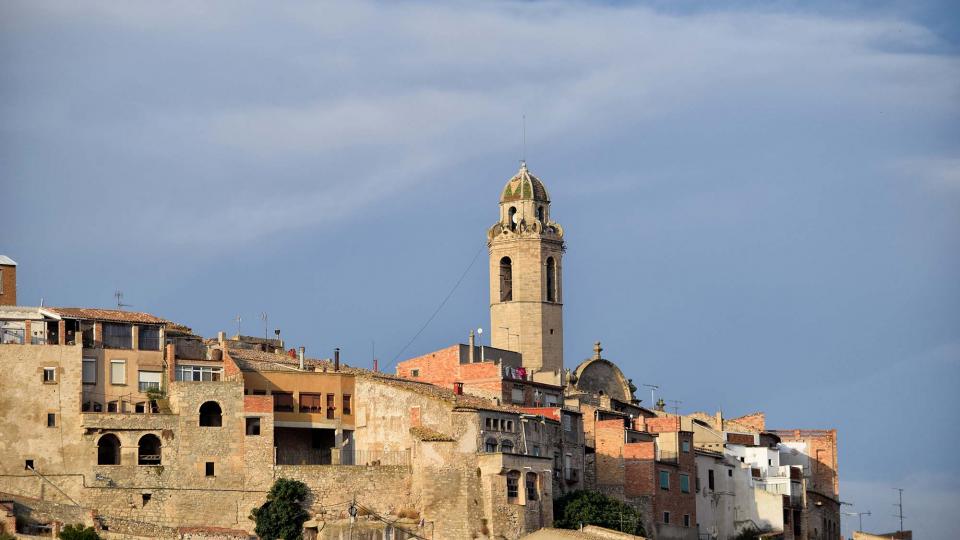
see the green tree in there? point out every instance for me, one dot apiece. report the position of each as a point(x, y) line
point(78, 532)
point(595, 508)
point(282, 516)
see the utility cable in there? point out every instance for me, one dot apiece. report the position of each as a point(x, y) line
point(436, 311)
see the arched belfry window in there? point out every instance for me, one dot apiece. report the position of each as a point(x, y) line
point(108, 450)
point(506, 279)
point(211, 415)
point(512, 218)
point(551, 279)
point(540, 215)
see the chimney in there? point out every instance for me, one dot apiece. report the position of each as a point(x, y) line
point(718, 421)
point(471, 345)
point(376, 365)
point(302, 351)
point(336, 359)
point(221, 337)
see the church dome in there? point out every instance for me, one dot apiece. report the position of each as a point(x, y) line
point(524, 186)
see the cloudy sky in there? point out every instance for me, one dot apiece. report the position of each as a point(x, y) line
point(761, 199)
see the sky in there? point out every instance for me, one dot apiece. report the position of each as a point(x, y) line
point(761, 200)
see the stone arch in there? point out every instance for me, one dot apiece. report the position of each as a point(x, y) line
point(211, 415)
point(506, 279)
point(108, 450)
point(148, 450)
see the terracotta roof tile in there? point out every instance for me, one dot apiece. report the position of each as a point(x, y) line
point(430, 435)
point(109, 315)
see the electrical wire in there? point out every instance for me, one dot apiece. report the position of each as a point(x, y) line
point(436, 311)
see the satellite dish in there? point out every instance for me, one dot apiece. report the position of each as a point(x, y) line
point(480, 331)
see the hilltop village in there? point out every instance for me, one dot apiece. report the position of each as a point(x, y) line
point(135, 425)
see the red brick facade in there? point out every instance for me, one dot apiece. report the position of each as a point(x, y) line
point(8, 285)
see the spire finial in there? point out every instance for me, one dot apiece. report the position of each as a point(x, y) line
point(597, 349)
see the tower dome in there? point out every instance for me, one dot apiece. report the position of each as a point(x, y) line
point(524, 186)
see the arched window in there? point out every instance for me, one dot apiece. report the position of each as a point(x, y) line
point(540, 215)
point(490, 445)
point(149, 450)
point(531, 486)
point(512, 218)
point(108, 450)
point(513, 486)
point(506, 279)
point(211, 415)
point(551, 279)
point(506, 446)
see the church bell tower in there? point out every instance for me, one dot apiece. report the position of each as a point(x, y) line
point(526, 287)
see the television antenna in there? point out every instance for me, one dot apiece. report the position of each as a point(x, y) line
point(653, 388)
point(239, 319)
point(263, 317)
point(899, 506)
point(676, 405)
point(118, 294)
point(858, 514)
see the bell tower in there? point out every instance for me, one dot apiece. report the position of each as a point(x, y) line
point(526, 285)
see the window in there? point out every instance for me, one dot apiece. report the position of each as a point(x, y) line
point(149, 380)
point(685, 446)
point(551, 280)
point(89, 371)
point(113, 406)
point(211, 415)
point(208, 469)
point(311, 403)
point(490, 445)
point(540, 215)
point(51, 419)
point(283, 402)
point(145, 497)
point(140, 407)
point(108, 450)
point(536, 450)
point(346, 404)
point(710, 480)
point(506, 446)
point(769, 463)
point(513, 486)
point(567, 423)
point(117, 336)
point(666, 517)
point(198, 373)
point(49, 375)
point(149, 338)
point(531, 486)
point(331, 406)
point(684, 483)
point(414, 372)
point(516, 395)
point(550, 400)
point(510, 425)
point(506, 280)
point(118, 372)
point(557, 465)
point(28, 464)
point(148, 451)
point(686, 520)
point(664, 480)
point(512, 218)
point(253, 426)
point(730, 472)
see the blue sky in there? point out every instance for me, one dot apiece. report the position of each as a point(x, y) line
point(760, 200)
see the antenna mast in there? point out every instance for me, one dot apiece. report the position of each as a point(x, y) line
point(652, 387)
point(239, 319)
point(676, 406)
point(264, 318)
point(118, 294)
point(900, 508)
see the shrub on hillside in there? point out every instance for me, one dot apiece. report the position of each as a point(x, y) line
point(282, 516)
point(78, 532)
point(595, 508)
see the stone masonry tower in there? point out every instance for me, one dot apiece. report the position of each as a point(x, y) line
point(526, 288)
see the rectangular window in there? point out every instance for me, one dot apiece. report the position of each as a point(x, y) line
point(664, 480)
point(414, 372)
point(208, 469)
point(346, 404)
point(710, 479)
point(257, 392)
point(550, 400)
point(148, 380)
point(311, 403)
point(117, 336)
point(666, 517)
point(686, 520)
point(684, 483)
point(89, 371)
point(686, 446)
point(198, 373)
point(531, 487)
point(516, 395)
point(49, 375)
point(331, 406)
point(253, 426)
point(283, 401)
point(118, 372)
point(51, 420)
point(567, 423)
point(149, 338)
point(730, 472)
point(536, 450)
point(513, 487)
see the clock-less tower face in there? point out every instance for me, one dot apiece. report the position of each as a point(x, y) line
point(526, 293)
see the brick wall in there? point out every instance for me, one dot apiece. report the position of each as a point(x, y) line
point(757, 421)
point(439, 367)
point(8, 279)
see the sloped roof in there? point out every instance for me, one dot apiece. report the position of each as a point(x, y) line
point(524, 185)
point(430, 435)
point(108, 315)
point(7, 261)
